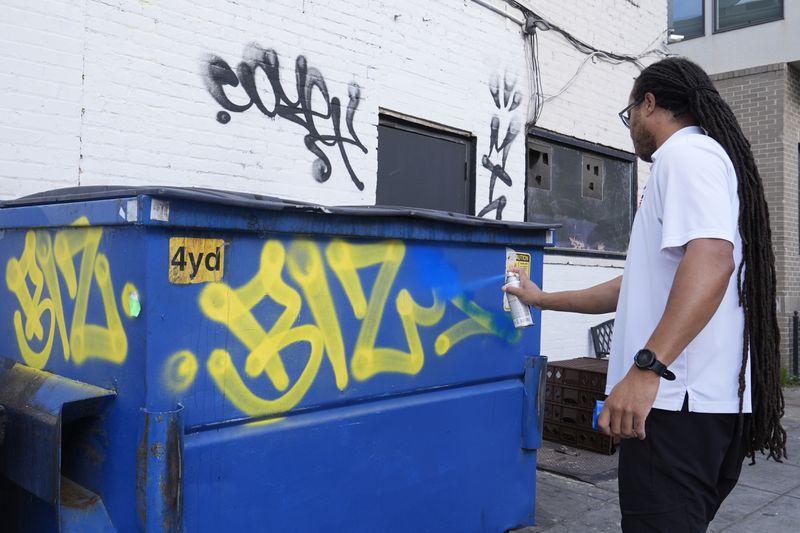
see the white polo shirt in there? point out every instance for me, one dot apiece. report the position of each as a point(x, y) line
point(692, 193)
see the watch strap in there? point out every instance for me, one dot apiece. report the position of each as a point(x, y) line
point(661, 369)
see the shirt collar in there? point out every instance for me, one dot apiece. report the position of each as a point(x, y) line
point(688, 130)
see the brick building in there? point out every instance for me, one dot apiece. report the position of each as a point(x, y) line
point(752, 51)
point(205, 93)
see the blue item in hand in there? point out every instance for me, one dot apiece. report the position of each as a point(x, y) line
point(598, 407)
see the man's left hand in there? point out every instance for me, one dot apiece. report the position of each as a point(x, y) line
point(628, 405)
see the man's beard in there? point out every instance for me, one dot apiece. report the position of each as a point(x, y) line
point(644, 144)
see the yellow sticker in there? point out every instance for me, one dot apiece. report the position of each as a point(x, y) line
point(523, 261)
point(520, 260)
point(194, 260)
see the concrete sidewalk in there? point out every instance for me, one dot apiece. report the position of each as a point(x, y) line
point(766, 500)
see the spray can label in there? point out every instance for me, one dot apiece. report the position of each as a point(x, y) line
point(520, 313)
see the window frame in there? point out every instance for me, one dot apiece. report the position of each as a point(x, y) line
point(715, 30)
point(702, 15)
point(555, 138)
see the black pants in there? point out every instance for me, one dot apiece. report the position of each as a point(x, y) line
point(675, 480)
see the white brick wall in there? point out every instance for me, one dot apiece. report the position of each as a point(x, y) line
point(41, 59)
point(566, 335)
point(134, 69)
point(112, 91)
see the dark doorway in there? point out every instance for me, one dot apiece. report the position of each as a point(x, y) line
point(424, 166)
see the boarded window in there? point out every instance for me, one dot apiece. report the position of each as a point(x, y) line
point(587, 188)
point(424, 166)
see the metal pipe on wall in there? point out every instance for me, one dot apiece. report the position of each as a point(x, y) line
point(499, 11)
point(795, 347)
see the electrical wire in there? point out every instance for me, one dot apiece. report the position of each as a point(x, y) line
point(534, 22)
point(571, 80)
point(647, 52)
point(536, 99)
point(490, 7)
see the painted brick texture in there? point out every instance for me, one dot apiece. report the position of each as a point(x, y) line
point(115, 92)
point(42, 54)
point(766, 101)
point(566, 335)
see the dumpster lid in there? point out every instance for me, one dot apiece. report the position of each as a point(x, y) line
point(257, 201)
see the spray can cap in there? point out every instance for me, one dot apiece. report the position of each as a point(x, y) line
point(511, 276)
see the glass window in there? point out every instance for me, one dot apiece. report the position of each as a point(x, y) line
point(686, 18)
point(732, 14)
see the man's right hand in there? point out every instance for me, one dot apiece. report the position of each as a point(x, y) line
point(528, 292)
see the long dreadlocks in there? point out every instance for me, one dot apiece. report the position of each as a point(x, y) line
point(683, 88)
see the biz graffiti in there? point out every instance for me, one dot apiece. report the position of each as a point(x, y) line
point(305, 263)
point(34, 279)
point(219, 78)
point(509, 102)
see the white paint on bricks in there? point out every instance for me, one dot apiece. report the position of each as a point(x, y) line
point(566, 335)
point(112, 92)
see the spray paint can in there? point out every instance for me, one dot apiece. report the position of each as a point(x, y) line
point(520, 313)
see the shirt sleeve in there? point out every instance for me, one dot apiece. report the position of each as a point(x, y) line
point(697, 197)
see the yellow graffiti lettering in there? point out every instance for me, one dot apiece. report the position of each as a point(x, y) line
point(33, 306)
point(41, 261)
point(90, 340)
point(44, 256)
point(480, 322)
point(229, 381)
point(411, 315)
point(346, 260)
point(345, 267)
point(231, 307)
point(180, 370)
point(306, 268)
point(237, 308)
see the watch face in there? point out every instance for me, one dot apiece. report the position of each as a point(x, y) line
point(645, 358)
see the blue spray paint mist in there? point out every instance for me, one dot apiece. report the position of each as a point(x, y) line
point(435, 271)
point(480, 283)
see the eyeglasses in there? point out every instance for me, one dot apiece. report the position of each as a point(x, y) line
point(625, 114)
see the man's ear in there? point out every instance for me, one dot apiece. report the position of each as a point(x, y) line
point(649, 103)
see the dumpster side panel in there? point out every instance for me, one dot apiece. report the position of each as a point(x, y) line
point(345, 384)
point(441, 461)
point(301, 323)
point(65, 307)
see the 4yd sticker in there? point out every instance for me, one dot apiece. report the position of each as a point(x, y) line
point(196, 260)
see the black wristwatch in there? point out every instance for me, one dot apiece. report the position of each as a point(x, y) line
point(646, 360)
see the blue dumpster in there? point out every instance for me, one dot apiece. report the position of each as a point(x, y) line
point(194, 360)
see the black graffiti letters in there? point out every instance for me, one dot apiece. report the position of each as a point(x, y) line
point(259, 76)
point(510, 101)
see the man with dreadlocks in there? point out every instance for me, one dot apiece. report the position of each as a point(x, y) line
point(693, 378)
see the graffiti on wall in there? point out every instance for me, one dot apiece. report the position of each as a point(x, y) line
point(312, 269)
point(495, 159)
point(258, 74)
point(36, 277)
